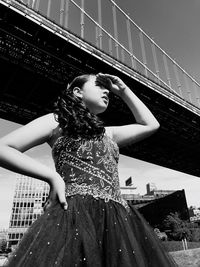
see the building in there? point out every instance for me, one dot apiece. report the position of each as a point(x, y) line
point(153, 191)
point(139, 200)
point(194, 215)
point(29, 198)
point(157, 210)
point(150, 188)
point(3, 233)
point(156, 204)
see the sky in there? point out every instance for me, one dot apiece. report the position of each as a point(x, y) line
point(174, 25)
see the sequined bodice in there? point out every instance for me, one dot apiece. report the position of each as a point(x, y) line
point(89, 167)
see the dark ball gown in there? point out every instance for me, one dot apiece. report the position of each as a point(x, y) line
point(99, 228)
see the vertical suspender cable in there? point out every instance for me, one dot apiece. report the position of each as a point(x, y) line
point(33, 4)
point(187, 87)
point(195, 92)
point(122, 55)
point(66, 13)
point(110, 46)
point(100, 23)
point(143, 52)
point(128, 26)
point(97, 36)
point(62, 12)
point(37, 5)
point(115, 29)
point(155, 61)
point(48, 8)
point(177, 79)
point(82, 19)
point(167, 71)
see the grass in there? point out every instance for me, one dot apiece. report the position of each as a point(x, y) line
point(187, 258)
point(184, 258)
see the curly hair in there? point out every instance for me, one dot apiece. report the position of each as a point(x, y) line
point(73, 116)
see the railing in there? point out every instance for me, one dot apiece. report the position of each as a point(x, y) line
point(113, 32)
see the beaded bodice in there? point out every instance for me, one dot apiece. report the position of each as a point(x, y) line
point(89, 167)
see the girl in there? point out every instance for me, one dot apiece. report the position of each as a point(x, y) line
point(86, 222)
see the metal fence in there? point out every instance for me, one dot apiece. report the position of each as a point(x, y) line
point(113, 32)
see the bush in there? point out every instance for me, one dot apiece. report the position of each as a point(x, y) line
point(178, 229)
point(195, 234)
point(3, 245)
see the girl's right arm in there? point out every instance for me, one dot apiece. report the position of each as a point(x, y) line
point(14, 144)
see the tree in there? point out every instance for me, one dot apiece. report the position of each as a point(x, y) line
point(176, 228)
point(3, 245)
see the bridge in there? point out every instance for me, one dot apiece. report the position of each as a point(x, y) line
point(44, 44)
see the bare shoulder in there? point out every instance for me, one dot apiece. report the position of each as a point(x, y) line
point(46, 123)
point(109, 132)
point(49, 120)
point(54, 128)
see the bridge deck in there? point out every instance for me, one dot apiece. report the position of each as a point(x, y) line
point(36, 64)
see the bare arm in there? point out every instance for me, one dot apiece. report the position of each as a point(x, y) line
point(14, 144)
point(22, 139)
point(146, 124)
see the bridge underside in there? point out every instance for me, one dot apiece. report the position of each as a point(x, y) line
point(36, 65)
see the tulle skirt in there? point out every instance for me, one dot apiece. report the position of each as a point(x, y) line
point(90, 233)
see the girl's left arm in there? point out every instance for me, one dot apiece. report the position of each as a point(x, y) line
point(146, 124)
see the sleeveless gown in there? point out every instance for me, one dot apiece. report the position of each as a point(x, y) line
point(99, 229)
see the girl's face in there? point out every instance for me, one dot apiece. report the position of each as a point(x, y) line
point(95, 95)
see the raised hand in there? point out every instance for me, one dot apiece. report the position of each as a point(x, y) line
point(111, 82)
